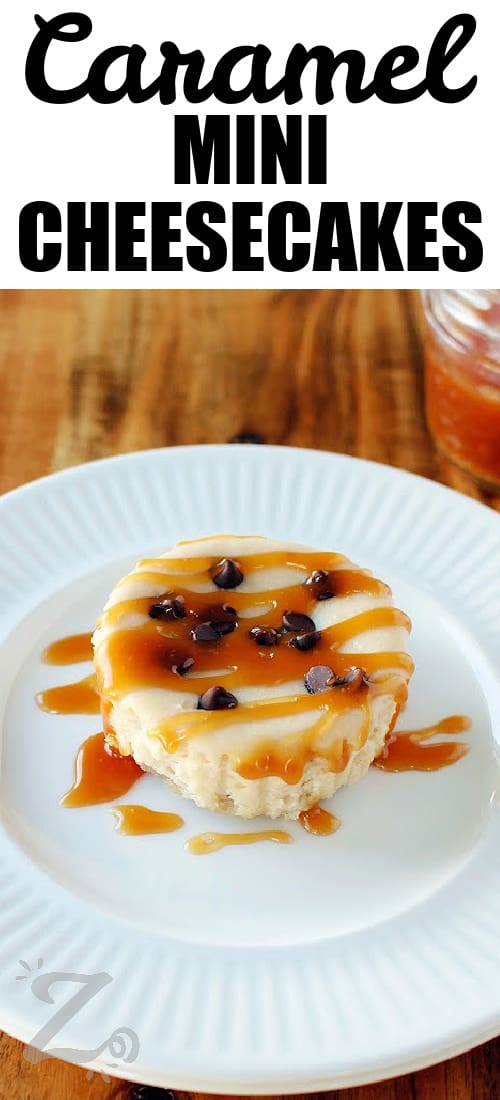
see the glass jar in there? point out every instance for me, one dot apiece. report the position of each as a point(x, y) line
point(462, 378)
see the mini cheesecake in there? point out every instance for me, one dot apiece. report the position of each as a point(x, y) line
point(254, 676)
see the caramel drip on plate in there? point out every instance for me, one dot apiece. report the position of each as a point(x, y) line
point(78, 698)
point(318, 821)
point(407, 750)
point(100, 774)
point(135, 820)
point(206, 843)
point(69, 651)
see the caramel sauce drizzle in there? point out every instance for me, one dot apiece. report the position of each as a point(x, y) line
point(143, 657)
point(173, 731)
point(135, 657)
point(69, 651)
point(79, 698)
point(100, 774)
point(273, 601)
point(133, 820)
point(206, 843)
point(290, 755)
point(406, 750)
point(318, 821)
point(201, 564)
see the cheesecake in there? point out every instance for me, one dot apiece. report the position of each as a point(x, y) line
point(255, 677)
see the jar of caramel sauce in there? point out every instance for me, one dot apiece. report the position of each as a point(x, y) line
point(462, 378)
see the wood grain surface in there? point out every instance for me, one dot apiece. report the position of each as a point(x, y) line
point(84, 374)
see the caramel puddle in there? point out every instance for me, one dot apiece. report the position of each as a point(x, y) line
point(78, 698)
point(405, 750)
point(318, 821)
point(136, 820)
point(100, 774)
point(69, 651)
point(206, 843)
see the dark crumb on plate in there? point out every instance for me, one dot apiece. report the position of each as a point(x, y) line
point(247, 437)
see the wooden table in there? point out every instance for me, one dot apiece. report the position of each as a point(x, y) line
point(85, 374)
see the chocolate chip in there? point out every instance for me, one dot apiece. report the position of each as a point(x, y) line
point(320, 584)
point(319, 678)
point(353, 680)
point(180, 668)
point(294, 620)
point(220, 619)
point(217, 698)
point(169, 608)
point(306, 641)
point(205, 632)
point(227, 574)
point(265, 635)
point(224, 626)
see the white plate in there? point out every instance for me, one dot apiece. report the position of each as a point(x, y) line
point(262, 969)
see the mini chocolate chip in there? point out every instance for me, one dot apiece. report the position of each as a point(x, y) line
point(319, 678)
point(169, 608)
point(321, 585)
point(294, 620)
point(223, 618)
point(306, 641)
point(205, 632)
point(353, 679)
point(227, 574)
point(264, 635)
point(180, 668)
point(217, 698)
point(223, 626)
